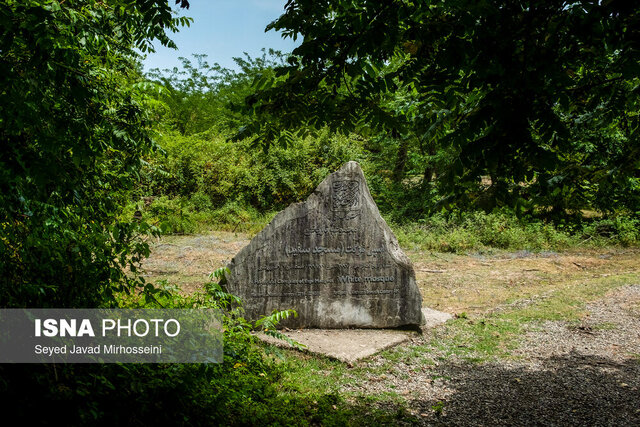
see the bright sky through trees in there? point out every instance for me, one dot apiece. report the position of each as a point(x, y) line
point(223, 29)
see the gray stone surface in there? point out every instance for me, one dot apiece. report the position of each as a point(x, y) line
point(433, 318)
point(333, 259)
point(345, 345)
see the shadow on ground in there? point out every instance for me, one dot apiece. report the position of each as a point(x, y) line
point(570, 390)
point(573, 389)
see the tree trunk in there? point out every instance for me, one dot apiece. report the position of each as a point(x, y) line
point(401, 159)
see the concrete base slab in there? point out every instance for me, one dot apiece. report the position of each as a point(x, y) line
point(346, 345)
point(351, 345)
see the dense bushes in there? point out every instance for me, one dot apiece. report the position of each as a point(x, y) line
point(245, 389)
point(73, 128)
point(415, 168)
point(211, 171)
point(479, 231)
point(205, 179)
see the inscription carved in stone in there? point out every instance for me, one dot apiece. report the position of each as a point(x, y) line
point(345, 199)
point(331, 258)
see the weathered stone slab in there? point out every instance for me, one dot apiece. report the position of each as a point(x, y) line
point(345, 345)
point(333, 259)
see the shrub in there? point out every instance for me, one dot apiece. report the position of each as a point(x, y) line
point(478, 231)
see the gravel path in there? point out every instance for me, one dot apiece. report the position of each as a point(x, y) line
point(562, 374)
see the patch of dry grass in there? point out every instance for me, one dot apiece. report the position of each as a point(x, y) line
point(186, 261)
point(479, 284)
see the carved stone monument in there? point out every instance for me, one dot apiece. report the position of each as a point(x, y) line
point(333, 259)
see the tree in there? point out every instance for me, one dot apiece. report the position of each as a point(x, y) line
point(198, 96)
point(73, 128)
point(512, 90)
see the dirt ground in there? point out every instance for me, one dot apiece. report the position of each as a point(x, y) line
point(453, 283)
point(577, 364)
point(479, 283)
point(186, 261)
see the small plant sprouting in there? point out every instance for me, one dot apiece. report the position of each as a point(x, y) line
point(438, 408)
point(266, 324)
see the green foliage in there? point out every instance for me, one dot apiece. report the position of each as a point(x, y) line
point(408, 156)
point(523, 105)
point(234, 392)
point(267, 324)
point(478, 339)
point(620, 230)
point(438, 408)
point(199, 97)
point(206, 178)
point(246, 389)
point(177, 394)
point(73, 127)
point(446, 104)
point(171, 215)
point(477, 231)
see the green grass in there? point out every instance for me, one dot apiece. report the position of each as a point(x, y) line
point(481, 232)
point(568, 302)
point(181, 216)
point(493, 337)
point(605, 326)
point(318, 380)
point(477, 340)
